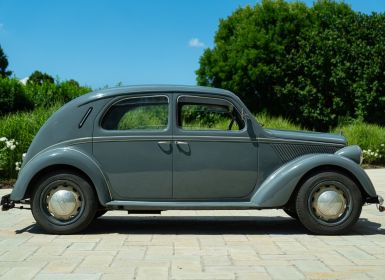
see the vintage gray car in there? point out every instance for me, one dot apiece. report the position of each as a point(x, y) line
point(146, 149)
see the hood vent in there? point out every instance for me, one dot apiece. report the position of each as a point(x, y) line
point(288, 152)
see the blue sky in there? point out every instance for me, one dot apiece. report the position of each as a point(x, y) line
point(101, 42)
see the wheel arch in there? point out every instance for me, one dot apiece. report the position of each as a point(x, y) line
point(279, 187)
point(325, 168)
point(56, 168)
point(61, 159)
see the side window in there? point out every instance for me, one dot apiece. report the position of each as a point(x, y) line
point(137, 113)
point(196, 113)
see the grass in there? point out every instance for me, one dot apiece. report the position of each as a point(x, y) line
point(367, 136)
point(276, 122)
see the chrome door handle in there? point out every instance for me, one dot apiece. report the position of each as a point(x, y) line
point(164, 142)
point(181, 143)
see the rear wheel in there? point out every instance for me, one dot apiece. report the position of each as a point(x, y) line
point(329, 203)
point(63, 203)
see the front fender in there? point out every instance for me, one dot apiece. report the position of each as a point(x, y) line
point(277, 189)
point(62, 156)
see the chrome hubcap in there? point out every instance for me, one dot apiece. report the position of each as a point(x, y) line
point(63, 203)
point(329, 203)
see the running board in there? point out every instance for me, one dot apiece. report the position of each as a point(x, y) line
point(178, 205)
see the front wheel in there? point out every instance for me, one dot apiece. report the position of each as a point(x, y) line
point(63, 203)
point(329, 203)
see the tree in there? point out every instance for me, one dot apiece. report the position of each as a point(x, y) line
point(314, 65)
point(4, 65)
point(39, 78)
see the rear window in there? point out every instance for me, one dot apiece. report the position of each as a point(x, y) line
point(138, 113)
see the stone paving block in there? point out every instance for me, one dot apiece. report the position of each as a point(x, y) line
point(235, 268)
point(48, 250)
point(100, 261)
point(310, 266)
point(353, 253)
point(152, 273)
point(62, 265)
point(305, 256)
point(284, 272)
point(117, 276)
point(20, 273)
point(252, 276)
point(18, 254)
point(186, 266)
point(215, 260)
point(131, 252)
point(82, 246)
point(154, 252)
point(68, 276)
point(204, 276)
point(333, 258)
point(117, 264)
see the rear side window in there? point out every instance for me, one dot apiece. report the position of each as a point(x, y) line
point(138, 113)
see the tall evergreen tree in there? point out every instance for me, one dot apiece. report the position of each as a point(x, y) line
point(4, 64)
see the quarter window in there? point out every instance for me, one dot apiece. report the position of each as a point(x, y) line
point(196, 113)
point(138, 113)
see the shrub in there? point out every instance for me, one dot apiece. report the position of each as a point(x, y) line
point(8, 160)
point(369, 137)
point(12, 96)
point(46, 94)
point(22, 127)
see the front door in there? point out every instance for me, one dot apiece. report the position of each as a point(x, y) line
point(214, 157)
point(132, 143)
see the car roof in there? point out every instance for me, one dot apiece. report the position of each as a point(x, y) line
point(127, 90)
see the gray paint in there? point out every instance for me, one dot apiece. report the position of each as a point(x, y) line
point(75, 156)
point(212, 170)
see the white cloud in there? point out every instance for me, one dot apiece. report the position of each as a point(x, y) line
point(24, 81)
point(196, 43)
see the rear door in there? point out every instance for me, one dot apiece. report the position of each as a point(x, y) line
point(132, 143)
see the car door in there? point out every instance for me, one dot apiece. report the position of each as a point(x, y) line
point(132, 143)
point(214, 156)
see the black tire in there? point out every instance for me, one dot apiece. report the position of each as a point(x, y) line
point(86, 202)
point(347, 199)
point(291, 212)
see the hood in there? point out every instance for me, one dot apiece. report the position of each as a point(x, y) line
point(308, 136)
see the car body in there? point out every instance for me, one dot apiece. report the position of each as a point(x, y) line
point(155, 148)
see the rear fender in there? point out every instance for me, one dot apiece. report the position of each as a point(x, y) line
point(62, 156)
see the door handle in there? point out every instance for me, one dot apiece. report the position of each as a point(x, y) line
point(181, 143)
point(165, 146)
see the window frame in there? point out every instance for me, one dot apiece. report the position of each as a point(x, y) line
point(107, 110)
point(203, 100)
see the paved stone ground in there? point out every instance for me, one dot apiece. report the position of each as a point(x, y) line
point(194, 245)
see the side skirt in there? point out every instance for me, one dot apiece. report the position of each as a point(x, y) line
point(178, 205)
